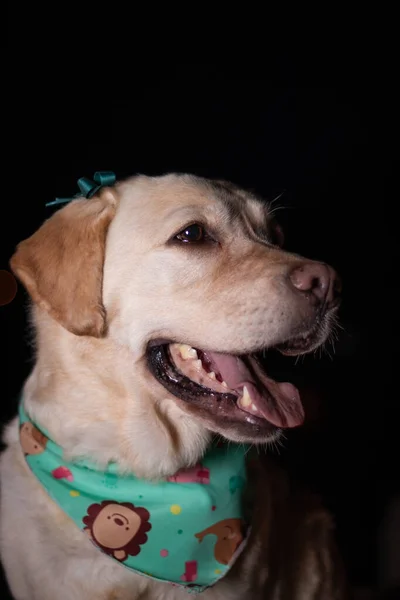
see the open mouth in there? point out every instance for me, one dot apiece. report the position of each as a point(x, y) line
point(229, 392)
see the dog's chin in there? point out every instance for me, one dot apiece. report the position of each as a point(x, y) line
point(232, 395)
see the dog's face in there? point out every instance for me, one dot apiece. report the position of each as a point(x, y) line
point(188, 277)
point(200, 263)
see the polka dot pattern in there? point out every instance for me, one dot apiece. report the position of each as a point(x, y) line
point(176, 509)
point(190, 515)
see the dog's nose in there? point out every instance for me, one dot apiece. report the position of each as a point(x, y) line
point(319, 281)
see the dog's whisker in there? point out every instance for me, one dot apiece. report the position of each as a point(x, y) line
point(276, 209)
point(328, 353)
point(277, 197)
point(250, 446)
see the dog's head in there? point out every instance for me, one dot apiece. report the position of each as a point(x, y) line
point(159, 293)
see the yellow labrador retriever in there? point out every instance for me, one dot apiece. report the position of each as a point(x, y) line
point(151, 301)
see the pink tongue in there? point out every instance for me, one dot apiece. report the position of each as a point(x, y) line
point(278, 403)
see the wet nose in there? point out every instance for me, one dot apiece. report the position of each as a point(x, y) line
point(318, 281)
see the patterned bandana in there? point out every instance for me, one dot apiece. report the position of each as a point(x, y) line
point(187, 530)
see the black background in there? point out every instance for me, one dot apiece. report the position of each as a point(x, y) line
point(331, 150)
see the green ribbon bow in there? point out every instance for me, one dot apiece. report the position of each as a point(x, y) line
point(89, 187)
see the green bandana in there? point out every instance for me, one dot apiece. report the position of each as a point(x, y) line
point(187, 530)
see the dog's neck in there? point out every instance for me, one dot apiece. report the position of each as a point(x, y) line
point(125, 516)
point(98, 400)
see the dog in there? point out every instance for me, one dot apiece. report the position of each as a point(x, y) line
point(150, 302)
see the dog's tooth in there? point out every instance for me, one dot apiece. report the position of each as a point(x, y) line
point(198, 364)
point(187, 351)
point(254, 407)
point(224, 384)
point(245, 400)
point(212, 375)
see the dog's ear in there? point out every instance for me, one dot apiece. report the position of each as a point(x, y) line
point(61, 265)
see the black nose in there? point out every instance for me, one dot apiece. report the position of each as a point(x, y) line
point(319, 281)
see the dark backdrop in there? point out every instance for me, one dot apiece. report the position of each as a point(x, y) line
point(331, 152)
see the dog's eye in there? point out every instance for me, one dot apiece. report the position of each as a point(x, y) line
point(192, 234)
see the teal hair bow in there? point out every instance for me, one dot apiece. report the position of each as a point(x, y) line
point(89, 187)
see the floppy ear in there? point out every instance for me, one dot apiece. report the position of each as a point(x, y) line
point(61, 265)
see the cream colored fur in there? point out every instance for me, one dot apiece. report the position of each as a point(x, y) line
point(91, 389)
